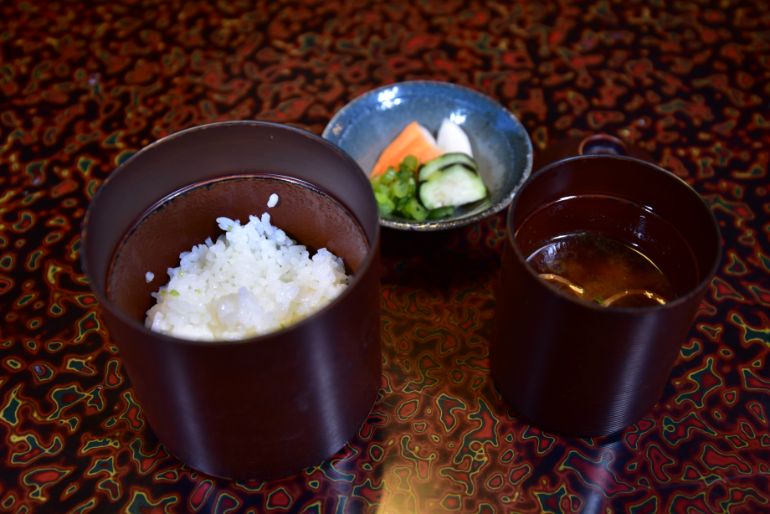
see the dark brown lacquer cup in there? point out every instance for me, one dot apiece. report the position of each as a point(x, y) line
point(578, 368)
point(262, 407)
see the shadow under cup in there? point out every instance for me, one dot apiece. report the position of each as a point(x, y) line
point(266, 406)
point(576, 367)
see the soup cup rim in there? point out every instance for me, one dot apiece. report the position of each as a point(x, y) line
point(686, 188)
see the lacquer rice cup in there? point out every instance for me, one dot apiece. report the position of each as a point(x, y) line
point(265, 406)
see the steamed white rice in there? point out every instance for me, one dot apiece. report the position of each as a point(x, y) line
point(254, 279)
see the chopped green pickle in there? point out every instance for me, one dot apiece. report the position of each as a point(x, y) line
point(384, 203)
point(441, 212)
point(409, 164)
point(414, 210)
point(444, 183)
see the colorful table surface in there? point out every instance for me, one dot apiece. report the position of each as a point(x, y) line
point(86, 85)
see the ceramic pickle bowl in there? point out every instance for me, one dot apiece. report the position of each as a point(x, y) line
point(500, 143)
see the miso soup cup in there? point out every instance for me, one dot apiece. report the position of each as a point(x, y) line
point(579, 368)
point(265, 406)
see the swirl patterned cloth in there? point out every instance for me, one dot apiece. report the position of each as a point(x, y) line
point(83, 85)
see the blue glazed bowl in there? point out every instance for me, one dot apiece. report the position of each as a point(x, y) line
point(500, 143)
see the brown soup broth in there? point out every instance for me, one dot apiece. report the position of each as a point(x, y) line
point(608, 251)
point(598, 268)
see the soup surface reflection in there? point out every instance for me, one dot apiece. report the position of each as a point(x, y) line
point(601, 269)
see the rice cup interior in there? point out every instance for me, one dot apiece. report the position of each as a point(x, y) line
point(500, 143)
point(187, 217)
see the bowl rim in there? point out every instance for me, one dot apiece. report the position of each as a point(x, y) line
point(372, 254)
point(450, 223)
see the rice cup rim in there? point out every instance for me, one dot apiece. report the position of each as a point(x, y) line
point(357, 277)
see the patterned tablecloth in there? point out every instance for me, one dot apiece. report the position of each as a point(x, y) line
point(84, 85)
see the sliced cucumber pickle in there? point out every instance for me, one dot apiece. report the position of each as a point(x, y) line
point(453, 186)
point(444, 161)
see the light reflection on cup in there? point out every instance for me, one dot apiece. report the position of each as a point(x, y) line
point(562, 283)
point(634, 298)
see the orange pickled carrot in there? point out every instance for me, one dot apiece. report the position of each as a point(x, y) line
point(411, 141)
